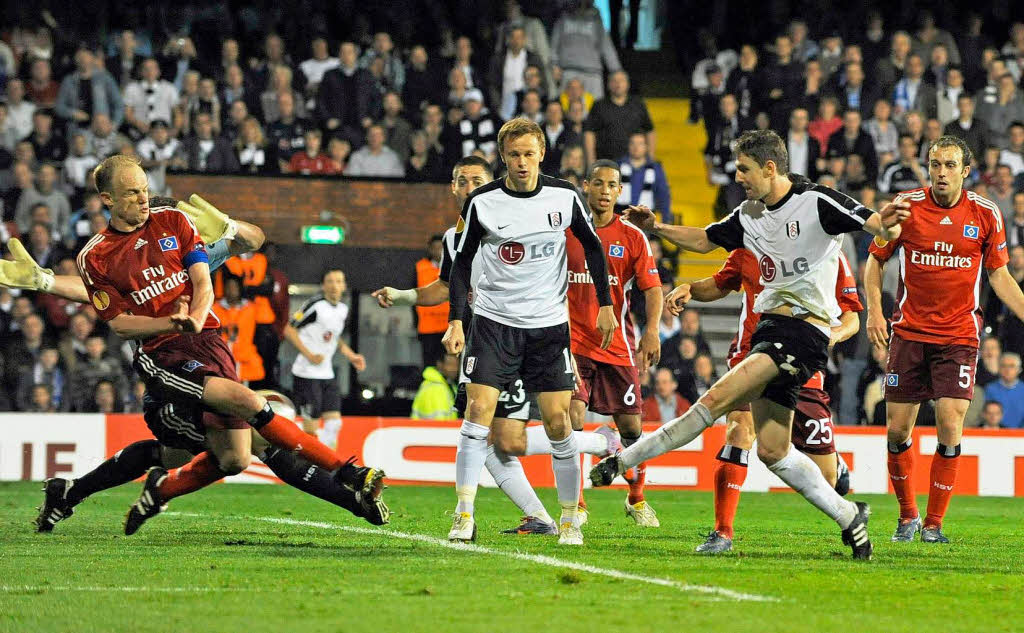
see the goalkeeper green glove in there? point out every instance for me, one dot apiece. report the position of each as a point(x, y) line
point(23, 272)
point(213, 224)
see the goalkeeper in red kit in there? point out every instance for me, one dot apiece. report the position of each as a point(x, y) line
point(950, 237)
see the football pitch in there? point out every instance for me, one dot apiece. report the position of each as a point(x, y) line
point(268, 558)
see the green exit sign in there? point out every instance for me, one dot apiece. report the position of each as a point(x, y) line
point(322, 234)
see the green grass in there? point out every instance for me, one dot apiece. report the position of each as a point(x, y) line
point(221, 571)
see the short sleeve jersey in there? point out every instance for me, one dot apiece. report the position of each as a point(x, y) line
point(320, 324)
point(796, 243)
point(941, 252)
point(741, 273)
point(630, 263)
point(145, 271)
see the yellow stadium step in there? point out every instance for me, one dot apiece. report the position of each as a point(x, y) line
point(680, 149)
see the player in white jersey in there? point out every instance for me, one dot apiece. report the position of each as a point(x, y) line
point(315, 331)
point(795, 229)
point(516, 228)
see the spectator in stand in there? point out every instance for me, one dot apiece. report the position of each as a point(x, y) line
point(230, 55)
point(832, 54)
point(536, 40)
point(1013, 153)
point(1011, 330)
point(690, 325)
point(80, 226)
point(251, 148)
point(280, 81)
point(664, 403)
point(643, 180)
point(88, 91)
point(967, 126)
point(23, 349)
point(398, 130)
point(384, 49)
point(105, 399)
point(479, 128)
point(1001, 191)
point(236, 88)
point(988, 361)
point(45, 372)
point(78, 164)
point(155, 152)
point(912, 92)
point(42, 400)
point(906, 173)
point(614, 118)
point(679, 354)
point(464, 61)
point(855, 93)
point(573, 163)
point(423, 83)
point(347, 99)
point(719, 162)
point(506, 76)
point(232, 126)
point(150, 99)
point(188, 102)
point(458, 87)
point(122, 65)
point(948, 95)
point(575, 93)
point(929, 36)
point(274, 54)
point(746, 83)
point(238, 326)
point(991, 415)
point(530, 107)
point(851, 139)
point(41, 243)
point(177, 60)
point(704, 103)
point(783, 76)
point(1008, 390)
point(41, 88)
point(890, 69)
point(104, 140)
point(532, 81)
point(8, 136)
point(375, 159)
point(287, 135)
point(1004, 110)
point(310, 161)
point(802, 149)
point(575, 117)
point(825, 124)
point(45, 192)
point(313, 69)
point(47, 144)
point(424, 163)
point(19, 111)
point(435, 398)
point(582, 49)
point(804, 48)
point(204, 151)
point(704, 374)
point(338, 151)
point(558, 136)
point(1015, 223)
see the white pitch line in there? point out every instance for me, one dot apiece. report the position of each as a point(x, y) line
point(550, 561)
point(33, 588)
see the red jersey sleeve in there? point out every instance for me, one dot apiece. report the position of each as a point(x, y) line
point(882, 250)
point(995, 244)
point(846, 287)
point(730, 275)
point(644, 269)
point(107, 300)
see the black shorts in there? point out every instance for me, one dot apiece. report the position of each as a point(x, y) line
point(183, 425)
point(796, 347)
point(497, 355)
point(513, 403)
point(313, 396)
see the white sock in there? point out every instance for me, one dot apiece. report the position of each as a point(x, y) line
point(537, 442)
point(565, 462)
point(329, 434)
point(469, 461)
point(673, 434)
point(801, 474)
point(508, 474)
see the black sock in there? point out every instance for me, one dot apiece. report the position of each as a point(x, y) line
point(309, 478)
point(131, 462)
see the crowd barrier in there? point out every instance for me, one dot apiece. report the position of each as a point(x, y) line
point(414, 452)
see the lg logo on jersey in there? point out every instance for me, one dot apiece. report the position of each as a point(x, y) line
point(512, 253)
point(769, 270)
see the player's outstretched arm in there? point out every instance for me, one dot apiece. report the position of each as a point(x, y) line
point(1007, 290)
point(689, 238)
point(877, 328)
point(212, 223)
point(885, 223)
point(704, 290)
point(433, 294)
point(247, 239)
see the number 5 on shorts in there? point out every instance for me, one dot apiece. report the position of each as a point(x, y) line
point(965, 376)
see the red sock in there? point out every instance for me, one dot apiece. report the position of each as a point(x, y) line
point(901, 474)
point(638, 475)
point(202, 471)
point(943, 477)
point(730, 474)
point(583, 504)
point(283, 433)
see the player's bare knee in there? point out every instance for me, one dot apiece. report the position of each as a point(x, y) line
point(233, 462)
point(510, 444)
point(770, 454)
point(739, 435)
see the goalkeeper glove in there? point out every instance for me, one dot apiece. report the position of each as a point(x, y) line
point(213, 224)
point(23, 272)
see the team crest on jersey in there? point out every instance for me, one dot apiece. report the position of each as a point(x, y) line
point(169, 243)
point(971, 232)
point(892, 380)
point(616, 250)
point(191, 365)
point(470, 364)
point(555, 219)
point(793, 229)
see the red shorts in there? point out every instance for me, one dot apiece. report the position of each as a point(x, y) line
point(608, 389)
point(813, 431)
point(919, 371)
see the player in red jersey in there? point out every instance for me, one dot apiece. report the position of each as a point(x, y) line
point(950, 236)
point(812, 433)
point(147, 275)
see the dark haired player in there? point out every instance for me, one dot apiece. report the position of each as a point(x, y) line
point(950, 237)
point(795, 229)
